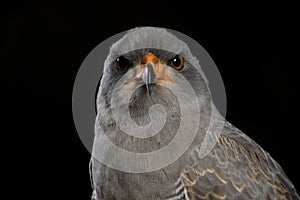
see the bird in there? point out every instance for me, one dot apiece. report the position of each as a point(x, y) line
point(151, 66)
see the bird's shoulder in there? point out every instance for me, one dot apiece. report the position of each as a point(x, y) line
point(235, 168)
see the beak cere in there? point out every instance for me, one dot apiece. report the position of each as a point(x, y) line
point(149, 77)
point(151, 71)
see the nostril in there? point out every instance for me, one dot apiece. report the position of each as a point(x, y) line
point(144, 61)
point(149, 57)
point(155, 61)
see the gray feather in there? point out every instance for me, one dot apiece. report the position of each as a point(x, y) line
point(236, 167)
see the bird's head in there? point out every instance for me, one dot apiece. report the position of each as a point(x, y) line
point(150, 66)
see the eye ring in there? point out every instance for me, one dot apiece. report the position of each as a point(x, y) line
point(177, 62)
point(122, 63)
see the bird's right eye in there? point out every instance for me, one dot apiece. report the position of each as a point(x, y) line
point(122, 63)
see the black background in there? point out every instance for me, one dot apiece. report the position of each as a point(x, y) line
point(43, 44)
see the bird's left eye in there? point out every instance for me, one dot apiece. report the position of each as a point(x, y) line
point(122, 63)
point(177, 62)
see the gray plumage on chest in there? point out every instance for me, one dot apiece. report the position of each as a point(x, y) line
point(113, 184)
point(160, 184)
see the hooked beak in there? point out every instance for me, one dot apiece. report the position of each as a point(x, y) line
point(149, 76)
point(151, 71)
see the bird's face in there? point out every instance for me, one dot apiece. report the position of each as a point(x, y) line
point(146, 77)
point(149, 69)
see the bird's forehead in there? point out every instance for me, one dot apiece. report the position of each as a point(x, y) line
point(147, 38)
point(138, 54)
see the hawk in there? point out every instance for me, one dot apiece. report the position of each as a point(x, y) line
point(143, 69)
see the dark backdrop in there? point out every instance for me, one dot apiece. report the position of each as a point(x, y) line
point(44, 42)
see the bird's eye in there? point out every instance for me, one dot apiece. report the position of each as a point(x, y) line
point(122, 63)
point(177, 62)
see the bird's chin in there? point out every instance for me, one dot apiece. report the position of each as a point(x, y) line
point(152, 91)
point(141, 101)
point(150, 88)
